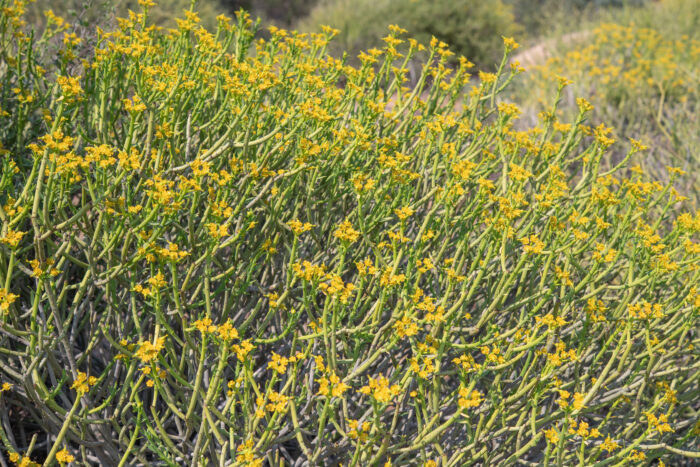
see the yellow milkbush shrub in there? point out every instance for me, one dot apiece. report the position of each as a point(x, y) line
point(628, 61)
point(642, 82)
point(223, 250)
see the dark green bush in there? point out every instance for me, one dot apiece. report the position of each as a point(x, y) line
point(542, 17)
point(472, 28)
point(90, 13)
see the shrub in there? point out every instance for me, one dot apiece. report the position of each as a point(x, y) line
point(642, 80)
point(212, 253)
point(548, 17)
point(90, 13)
point(472, 28)
point(285, 12)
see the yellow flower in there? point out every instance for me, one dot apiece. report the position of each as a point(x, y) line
point(335, 287)
point(563, 399)
point(366, 267)
point(552, 435)
point(6, 299)
point(532, 244)
point(674, 170)
point(510, 43)
point(227, 332)
point(134, 105)
point(425, 265)
point(487, 78)
point(12, 238)
point(609, 444)
point(518, 172)
point(200, 167)
point(563, 81)
point(331, 385)
point(550, 321)
point(278, 363)
point(70, 87)
point(563, 276)
point(148, 351)
point(309, 271)
point(298, 228)
point(346, 233)
point(246, 455)
point(467, 363)
point(243, 349)
point(362, 183)
point(278, 402)
point(463, 169)
point(158, 281)
point(380, 389)
point(659, 423)
point(603, 254)
point(27, 462)
point(469, 399)
point(217, 231)
point(357, 430)
point(404, 212)
point(583, 105)
point(64, 457)
point(171, 253)
point(601, 133)
point(389, 279)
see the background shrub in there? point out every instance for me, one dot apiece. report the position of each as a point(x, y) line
point(282, 12)
point(549, 18)
point(472, 28)
point(641, 69)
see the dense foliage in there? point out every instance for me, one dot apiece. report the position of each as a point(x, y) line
point(644, 79)
point(472, 28)
point(86, 15)
point(217, 249)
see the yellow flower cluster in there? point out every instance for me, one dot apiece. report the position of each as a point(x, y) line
point(245, 455)
point(82, 383)
point(359, 431)
point(12, 238)
point(334, 286)
point(330, 385)
point(550, 321)
point(64, 457)
point(22, 461)
point(582, 429)
point(380, 389)
point(298, 227)
point(469, 399)
point(6, 299)
point(147, 351)
point(564, 400)
point(309, 271)
point(645, 310)
point(659, 423)
point(346, 232)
